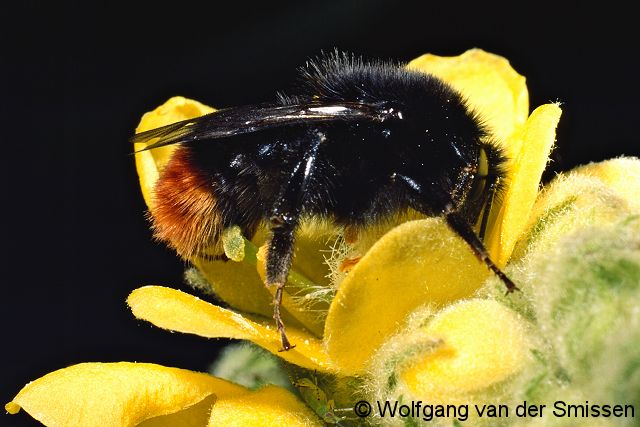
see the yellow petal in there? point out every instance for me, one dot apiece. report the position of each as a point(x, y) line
point(116, 394)
point(313, 244)
point(416, 263)
point(150, 163)
point(595, 195)
point(492, 87)
point(269, 406)
point(306, 312)
point(193, 416)
point(483, 343)
point(238, 284)
point(241, 285)
point(174, 310)
point(523, 180)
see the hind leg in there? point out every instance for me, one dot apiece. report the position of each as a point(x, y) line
point(285, 217)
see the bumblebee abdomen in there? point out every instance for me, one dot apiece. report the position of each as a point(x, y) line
point(185, 210)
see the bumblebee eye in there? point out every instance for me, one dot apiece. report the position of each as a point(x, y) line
point(480, 181)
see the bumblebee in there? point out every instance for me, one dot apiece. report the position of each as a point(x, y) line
point(359, 142)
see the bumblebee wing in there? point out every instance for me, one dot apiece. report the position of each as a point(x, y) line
point(249, 119)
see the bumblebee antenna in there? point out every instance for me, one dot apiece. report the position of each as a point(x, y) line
point(493, 184)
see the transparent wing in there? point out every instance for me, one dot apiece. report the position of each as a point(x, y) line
point(249, 119)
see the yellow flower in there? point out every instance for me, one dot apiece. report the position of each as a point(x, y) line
point(143, 394)
point(399, 269)
point(342, 323)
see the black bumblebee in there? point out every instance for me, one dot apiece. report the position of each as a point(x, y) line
point(360, 141)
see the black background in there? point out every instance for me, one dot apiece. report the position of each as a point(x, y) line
point(77, 77)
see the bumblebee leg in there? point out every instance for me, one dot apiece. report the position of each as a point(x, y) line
point(285, 217)
point(464, 230)
point(278, 263)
